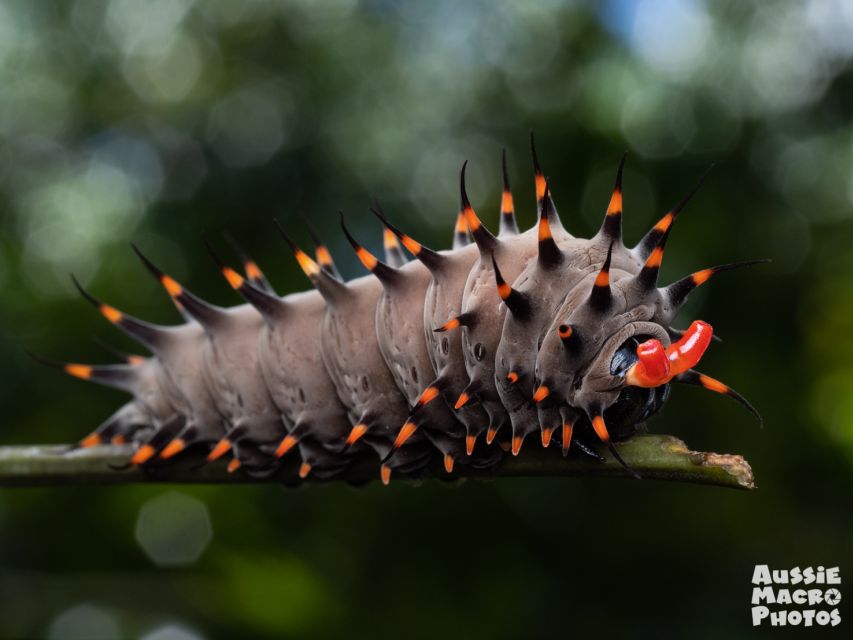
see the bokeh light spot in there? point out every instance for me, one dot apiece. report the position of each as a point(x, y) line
point(173, 529)
point(84, 622)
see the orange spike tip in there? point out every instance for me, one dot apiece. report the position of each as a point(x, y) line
point(428, 395)
point(516, 444)
point(544, 229)
point(701, 277)
point(171, 286)
point(450, 325)
point(233, 465)
point(111, 313)
point(664, 223)
point(253, 272)
point(367, 259)
point(411, 244)
point(222, 447)
point(601, 429)
point(304, 470)
point(490, 435)
point(462, 400)
point(288, 442)
point(713, 385)
point(406, 432)
point(506, 203)
point(461, 223)
point(357, 431)
point(143, 454)
point(92, 440)
point(173, 448)
point(470, 441)
point(540, 186)
point(567, 437)
point(448, 463)
point(385, 474)
point(82, 371)
point(234, 278)
point(389, 239)
point(512, 376)
point(308, 266)
point(546, 437)
point(541, 393)
point(323, 255)
point(615, 206)
point(118, 440)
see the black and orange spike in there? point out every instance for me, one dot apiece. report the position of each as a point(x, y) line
point(448, 463)
point(321, 252)
point(287, 443)
point(678, 292)
point(468, 394)
point(515, 301)
point(175, 446)
point(266, 302)
point(486, 242)
point(541, 393)
point(432, 260)
point(596, 417)
point(329, 287)
point(566, 435)
point(508, 224)
point(150, 335)
point(406, 431)
point(429, 394)
point(549, 253)
point(695, 378)
point(461, 238)
point(250, 267)
point(356, 433)
point(658, 233)
point(394, 255)
point(648, 276)
point(601, 296)
point(611, 227)
point(205, 313)
point(150, 449)
point(387, 275)
point(462, 320)
point(116, 376)
point(226, 443)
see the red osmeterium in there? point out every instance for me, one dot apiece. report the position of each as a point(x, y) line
point(657, 366)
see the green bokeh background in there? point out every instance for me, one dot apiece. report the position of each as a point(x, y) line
point(155, 121)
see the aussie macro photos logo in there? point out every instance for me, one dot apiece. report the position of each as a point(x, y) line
point(806, 597)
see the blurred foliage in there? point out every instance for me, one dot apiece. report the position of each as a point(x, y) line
point(154, 121)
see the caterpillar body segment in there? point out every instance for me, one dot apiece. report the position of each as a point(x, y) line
point(456, 357)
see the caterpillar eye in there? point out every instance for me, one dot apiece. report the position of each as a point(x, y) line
point(625, 356)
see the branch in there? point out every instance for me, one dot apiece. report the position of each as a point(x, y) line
point(657, 457)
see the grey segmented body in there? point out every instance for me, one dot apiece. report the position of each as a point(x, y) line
point(505, 336)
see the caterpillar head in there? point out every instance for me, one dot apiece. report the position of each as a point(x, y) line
point(608, 348)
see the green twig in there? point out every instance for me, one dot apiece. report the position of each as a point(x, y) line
point(656, 457)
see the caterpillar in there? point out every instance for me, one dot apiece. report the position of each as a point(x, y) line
point(460, 355)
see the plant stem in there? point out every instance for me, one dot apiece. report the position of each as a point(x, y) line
point(657, 457)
